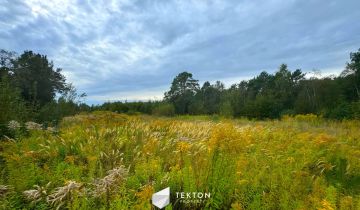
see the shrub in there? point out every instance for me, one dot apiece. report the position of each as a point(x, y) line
point(165, 109)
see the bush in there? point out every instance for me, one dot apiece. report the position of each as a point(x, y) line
point(226, 109)
point(355, 109)
point(341, 111)
point(164, 109)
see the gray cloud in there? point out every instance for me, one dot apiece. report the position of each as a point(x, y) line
point(116, 49)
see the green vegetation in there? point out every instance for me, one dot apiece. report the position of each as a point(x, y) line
point(115, 161)
point(29, 84)
point(266, 143)
point(265, 96)
point(32, 89)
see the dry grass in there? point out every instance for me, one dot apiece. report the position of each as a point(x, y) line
point(117, 161)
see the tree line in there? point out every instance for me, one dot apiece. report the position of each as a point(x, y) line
point(284, 92)
point(32, 89)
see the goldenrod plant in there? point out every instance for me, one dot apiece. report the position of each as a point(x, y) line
point(106, 160)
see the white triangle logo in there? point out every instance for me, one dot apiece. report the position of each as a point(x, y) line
point(161, 198)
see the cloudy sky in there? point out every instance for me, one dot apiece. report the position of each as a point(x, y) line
point(132, 49)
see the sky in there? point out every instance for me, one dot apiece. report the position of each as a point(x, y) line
point(132, 49)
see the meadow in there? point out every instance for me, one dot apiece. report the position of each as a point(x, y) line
point(105, 160)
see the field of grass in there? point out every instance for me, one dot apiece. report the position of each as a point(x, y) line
point(113, 161)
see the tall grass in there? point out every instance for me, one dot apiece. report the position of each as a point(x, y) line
point(111, 161)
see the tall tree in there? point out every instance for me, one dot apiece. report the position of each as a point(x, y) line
point(211, 97)
point(182, 92)
point(352, 75)
point(37, 79)
point(12, 106)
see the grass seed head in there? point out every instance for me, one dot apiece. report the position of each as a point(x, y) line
point(63, 194)
point(33, 126)
point(4, 190)
point(14, 125)
point(37, 194)
point(110, 182)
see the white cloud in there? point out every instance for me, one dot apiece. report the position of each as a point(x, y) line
point(117, 49)
point(141, 95)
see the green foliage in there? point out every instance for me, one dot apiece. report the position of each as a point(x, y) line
point(28, 86)
point(240, 162)
point(12, 107)
point(37, 78)
point(164, 109)
point(272, 95)
point(211, 97)
point(181, 93)
point(355, 109)
point(226, 109)
point(231, 159)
